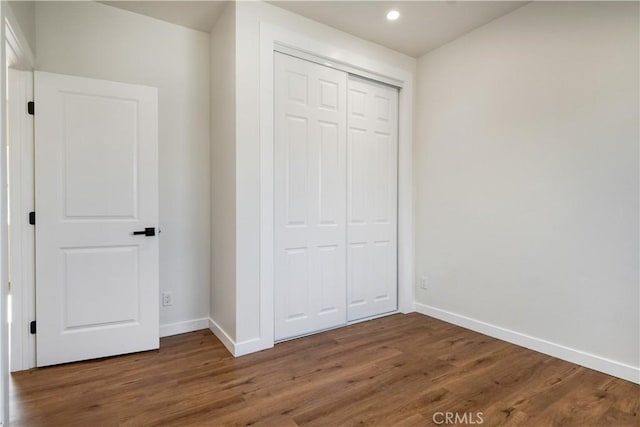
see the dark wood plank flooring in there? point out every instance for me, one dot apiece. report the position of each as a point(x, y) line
point(393, 371)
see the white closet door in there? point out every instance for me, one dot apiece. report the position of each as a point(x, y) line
point(372, 182)
point(310, 197)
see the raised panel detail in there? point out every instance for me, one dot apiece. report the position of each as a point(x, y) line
point(382, 108)
point(358, 276)
point(297, 87)
point(382, 259)
point(100, 137)
point(101, 286)
point(297, 283)
point(328, 95)
point(331, 282)
point(358, 179)
point(357, 104)
point(329, 181)
point(297, 170)
point(382, 179)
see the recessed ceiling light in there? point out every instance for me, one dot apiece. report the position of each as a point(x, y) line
point(392, 15)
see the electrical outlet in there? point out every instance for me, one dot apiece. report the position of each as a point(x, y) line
point(424, 282)
point(167, 299)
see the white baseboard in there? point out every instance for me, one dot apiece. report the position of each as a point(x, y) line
point(598, 363)
point(251, 346)
point(228, 342)
point(241, 348)
point(183, 327)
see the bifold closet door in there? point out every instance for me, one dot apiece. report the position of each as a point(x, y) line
point(309, 196)
point(372, 182)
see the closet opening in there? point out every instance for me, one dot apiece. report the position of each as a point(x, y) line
point(335, 196)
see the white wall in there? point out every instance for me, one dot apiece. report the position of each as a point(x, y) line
point(223, 171)
point(249, 18)
point(94, 40)
point(527, 177)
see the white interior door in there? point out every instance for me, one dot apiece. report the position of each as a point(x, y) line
point(96, 164)
point(310, 194)
point(372, 183)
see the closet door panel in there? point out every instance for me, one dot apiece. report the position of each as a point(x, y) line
point(359, 275)
point(372, 159)
point(296, 153)
point(330, 210)
point(310, 197)
point(296, 284)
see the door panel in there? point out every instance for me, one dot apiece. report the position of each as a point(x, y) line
point(88, 272)
point(358, 279)
point(310, 229)
point(330, 278)
point(96, 183)
point(330, 210)
point(100, 150)
point(296, 169)
point(372, 150)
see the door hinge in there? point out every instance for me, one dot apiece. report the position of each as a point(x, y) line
point(32, 218)
point(31, 107)
point(32, 327)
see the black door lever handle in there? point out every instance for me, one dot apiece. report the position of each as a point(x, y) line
point(149, 232)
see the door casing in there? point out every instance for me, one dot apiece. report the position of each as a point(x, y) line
point(275, 38)
point(15, 53)
point(22, 236)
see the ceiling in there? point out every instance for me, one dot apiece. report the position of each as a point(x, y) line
point(422, 26)
point(199, 15)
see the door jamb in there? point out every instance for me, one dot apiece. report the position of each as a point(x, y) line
point(14, 52)
point(21, 264)
point(22, 236)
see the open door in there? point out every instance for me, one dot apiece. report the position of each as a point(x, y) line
point(96, 188)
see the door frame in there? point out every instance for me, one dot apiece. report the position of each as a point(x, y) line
point(21, 188)
point(15, 53)
point(273, 38)
point(22, 234)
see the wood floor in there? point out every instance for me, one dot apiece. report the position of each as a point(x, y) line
point(398, 370)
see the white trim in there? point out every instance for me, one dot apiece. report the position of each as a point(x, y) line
point(236, 349)
point(271, 36)
point(222, 335)
point(183, 327)
point(249, 346)
point(19, 54)
point(338, 65)
point(4, 278)
point(598, 363)
point(22, 236)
